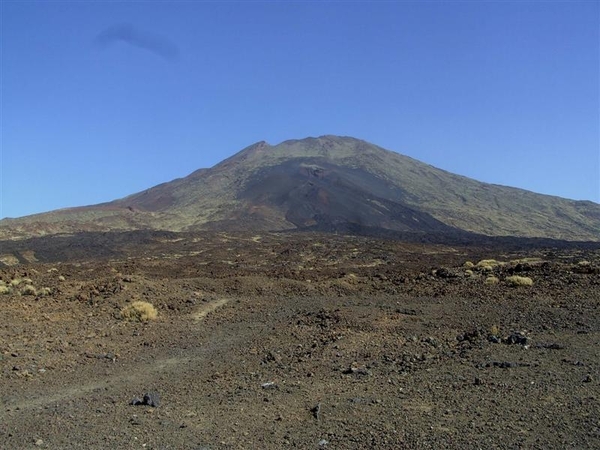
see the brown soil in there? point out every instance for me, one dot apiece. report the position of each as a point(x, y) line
point(300, 341)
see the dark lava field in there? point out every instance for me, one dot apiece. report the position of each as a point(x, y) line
point(297, 340)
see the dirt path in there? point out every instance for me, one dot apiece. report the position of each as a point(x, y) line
point(204, 310)
point(129, 373)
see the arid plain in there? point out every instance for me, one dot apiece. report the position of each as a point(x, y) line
point(298, 340)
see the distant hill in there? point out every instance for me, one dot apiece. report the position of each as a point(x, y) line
point(328, 183)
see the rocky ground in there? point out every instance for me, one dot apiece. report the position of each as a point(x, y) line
point(298, 341)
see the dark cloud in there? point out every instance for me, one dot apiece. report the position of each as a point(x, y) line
point(127, 33)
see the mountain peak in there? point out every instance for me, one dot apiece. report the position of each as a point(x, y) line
point(327, 183)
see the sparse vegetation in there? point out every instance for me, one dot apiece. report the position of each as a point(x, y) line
point(517, 280)
point(487, 262)
point(526, 260)
point(139, 311)
point(488, 265)
point(15, 282)
point(4, 290)
point(45, 291)
point(28, 289)
point(259, 330)
point(492, 280)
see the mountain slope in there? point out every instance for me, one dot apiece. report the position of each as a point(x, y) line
point(326, 183)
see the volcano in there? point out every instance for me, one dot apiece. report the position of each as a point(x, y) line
point(329, 183)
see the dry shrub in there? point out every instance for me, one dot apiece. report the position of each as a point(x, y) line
point(139, 311)
point(469, 272)
point(526, 260)
point(516, 280)
point(45, 291)
point(487, 262)
point(61, 278)
point(491, 280)
point(468, 265)
point(4, 290)
point(15, 282)
point(28, 289)
point(487, 265)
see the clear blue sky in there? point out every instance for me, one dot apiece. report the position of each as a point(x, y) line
point(104, 99)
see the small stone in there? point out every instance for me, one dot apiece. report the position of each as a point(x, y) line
point(152, 399)
point(494, 339)
point(550, 346)
point(517, 339)
point(39, 442)
point(356, 371)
